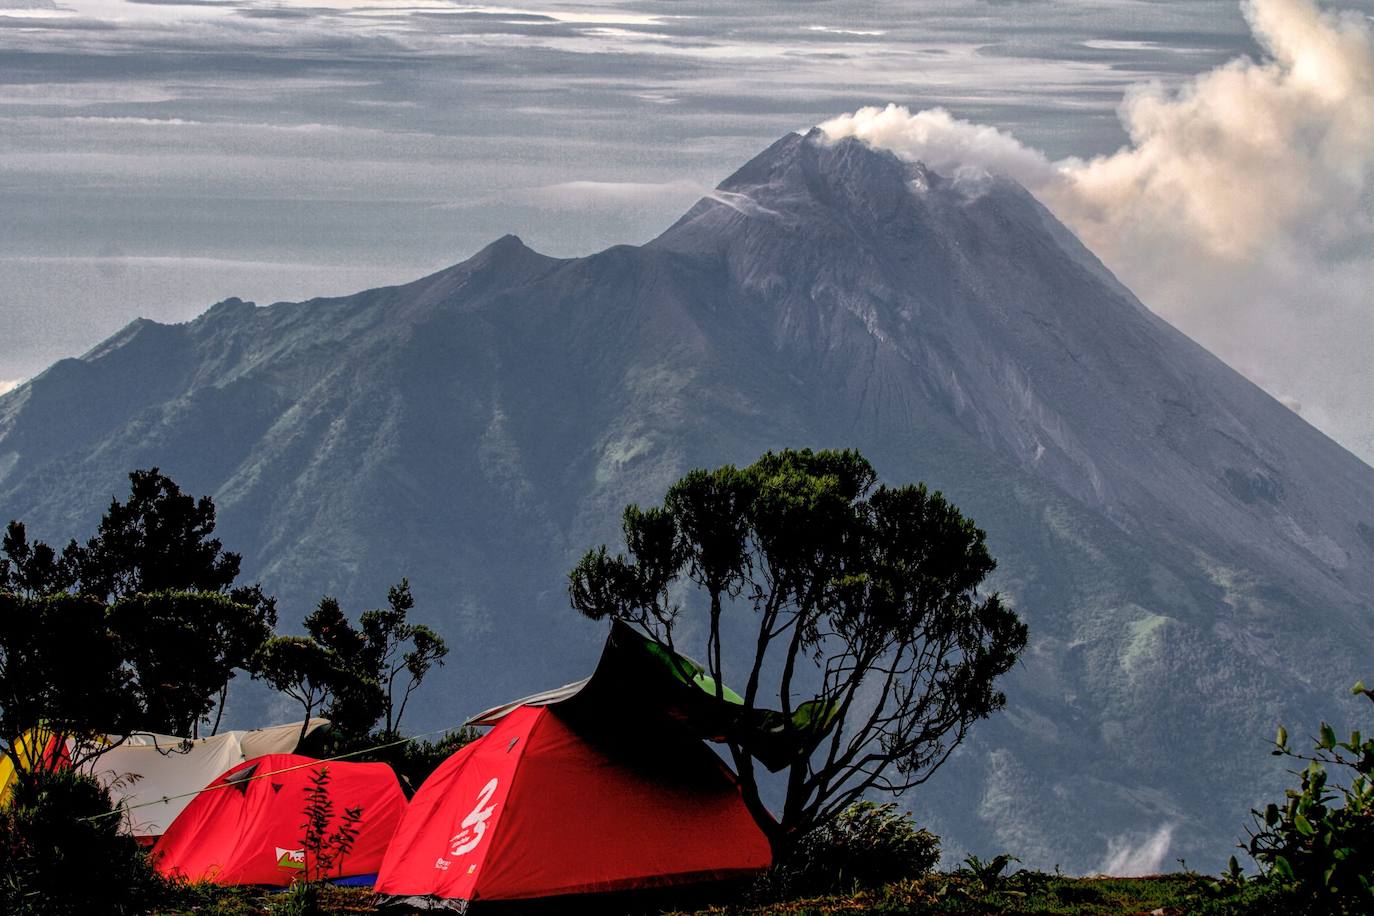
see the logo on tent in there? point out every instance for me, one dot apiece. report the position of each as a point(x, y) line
point(474, 826)
point(290, 858)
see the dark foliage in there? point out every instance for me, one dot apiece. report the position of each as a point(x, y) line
point(179, 626)
point(360, 677)
point(149, 663)
point(866, 846)
point(863, 597)
point(62, 666)
point(1318, 844)
point(31, 569)
point(325, 849)
point(182, 649)
point(413, 761)
point(158, 541)
point(59, 855)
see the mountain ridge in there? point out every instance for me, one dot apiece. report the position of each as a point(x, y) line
point(1186, 549)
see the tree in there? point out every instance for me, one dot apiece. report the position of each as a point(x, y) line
point(159, 541)
point(182, 649)
point(169, 585)
point(400, 670)
point(300, 668)
point(31, 569)
point(79, 670)
point(860, 596)
point(61, 673)
point(357, 676)
point(356, 697)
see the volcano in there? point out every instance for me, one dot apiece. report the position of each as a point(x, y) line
point(1193, 559)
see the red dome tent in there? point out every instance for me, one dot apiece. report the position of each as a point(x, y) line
point(538, 808)
point(246, 826)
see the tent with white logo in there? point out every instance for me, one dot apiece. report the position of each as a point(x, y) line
point(542, 806)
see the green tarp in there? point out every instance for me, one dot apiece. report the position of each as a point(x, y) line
point(638, 677)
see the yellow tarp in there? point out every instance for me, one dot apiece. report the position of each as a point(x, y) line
point(29, 749)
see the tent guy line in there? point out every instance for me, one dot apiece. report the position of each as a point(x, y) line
point(120, 810)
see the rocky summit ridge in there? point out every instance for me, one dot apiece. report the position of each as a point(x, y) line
point(1194, 560)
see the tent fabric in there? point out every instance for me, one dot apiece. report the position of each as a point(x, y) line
point(540, 808)
point(156, 774)
point(148, 771)
point(247, 830)
point(638, 677)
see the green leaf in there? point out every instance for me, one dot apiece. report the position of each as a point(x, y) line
point(1281, 739)
point(1284, 870)
point(1304, 827)
point(1271, 814)
point(1328, 737)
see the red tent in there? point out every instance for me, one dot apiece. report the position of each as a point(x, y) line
point(535, 808)
point(246, 826)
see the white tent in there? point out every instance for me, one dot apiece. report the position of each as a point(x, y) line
point(148, 771)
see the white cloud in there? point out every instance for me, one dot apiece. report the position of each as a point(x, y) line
point(8, 385)
point(1242, 209)
point(1131, 858)
point(866, 33)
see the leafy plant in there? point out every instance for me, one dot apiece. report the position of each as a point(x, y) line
point(300, 899)
point(1319, 842)
point(987, 876)
point(867, 846)
point(325, 850)
point(58, 855)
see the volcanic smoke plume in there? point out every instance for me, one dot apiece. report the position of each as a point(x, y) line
point(1242, 209)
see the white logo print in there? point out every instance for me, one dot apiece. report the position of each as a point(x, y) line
point(474, 826)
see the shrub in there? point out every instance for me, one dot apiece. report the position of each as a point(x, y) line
point(413, 761)
point(866, 846)
point(59, 855)
point(300, 899)
point(325, 850)
point(1317, 844)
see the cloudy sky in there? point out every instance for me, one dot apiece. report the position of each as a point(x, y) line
point(159, 155)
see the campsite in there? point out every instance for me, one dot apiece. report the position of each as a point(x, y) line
point(649, 785)
point(687, 457)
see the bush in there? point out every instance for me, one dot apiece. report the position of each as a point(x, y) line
point(413, 761)
point(55, 860)
point(867, 846)
point(324, 849)
point(1317, 844)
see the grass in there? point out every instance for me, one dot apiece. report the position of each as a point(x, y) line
point(1015, 895)
point(1022, 893)
point(205, 899)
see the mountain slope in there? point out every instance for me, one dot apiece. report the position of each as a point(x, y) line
point(1192, 557)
